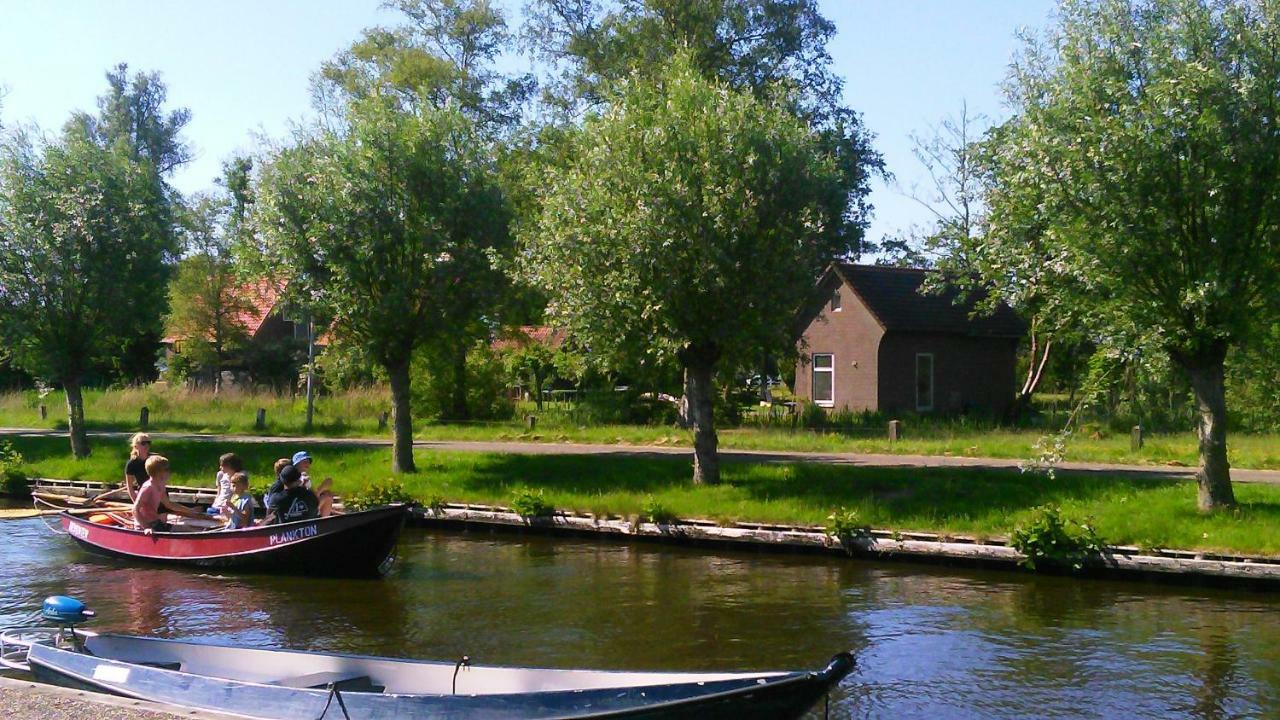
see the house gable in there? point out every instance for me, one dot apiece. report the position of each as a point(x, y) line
point(851, 337)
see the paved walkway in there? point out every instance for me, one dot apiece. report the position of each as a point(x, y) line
point(762, 456)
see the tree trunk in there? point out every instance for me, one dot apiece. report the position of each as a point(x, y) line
point(1214, 476)
point(537, 387)
point(699, 362)
point(458, 402)
point(75, 419)
point(402, 447)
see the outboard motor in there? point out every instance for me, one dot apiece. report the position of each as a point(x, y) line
point(66, 613)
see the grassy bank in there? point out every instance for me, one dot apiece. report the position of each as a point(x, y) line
point(355, 414)
point(1148, 513)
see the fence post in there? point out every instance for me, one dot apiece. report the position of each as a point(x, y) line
point(382, 420)
point(1135, 438)
point(144, 415)
point(44, 412)
point(531, 422)
point(895, 430)
point(261, 421)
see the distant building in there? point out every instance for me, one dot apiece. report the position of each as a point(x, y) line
point(876, 343)
point(276, 340)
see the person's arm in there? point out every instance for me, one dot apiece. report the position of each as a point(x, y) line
point(177, 509)
point(131, 484)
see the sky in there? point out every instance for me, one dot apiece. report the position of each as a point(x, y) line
point(243, 66)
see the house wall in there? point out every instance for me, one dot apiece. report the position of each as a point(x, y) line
point(852, 336)
point(970, 374)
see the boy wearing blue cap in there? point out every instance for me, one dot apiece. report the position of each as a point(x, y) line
point(324, 491)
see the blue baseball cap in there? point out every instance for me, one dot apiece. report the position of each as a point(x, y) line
point(300, 456)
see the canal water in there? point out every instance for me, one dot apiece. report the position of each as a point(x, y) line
point(930, 643)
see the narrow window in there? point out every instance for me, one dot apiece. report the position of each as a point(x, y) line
point(924, 381)
point(835, 301)
point(824, 380)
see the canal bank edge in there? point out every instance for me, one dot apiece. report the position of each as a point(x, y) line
point(1117, 561)
point(1121, 561)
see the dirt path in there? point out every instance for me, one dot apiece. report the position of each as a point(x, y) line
point(649, 451)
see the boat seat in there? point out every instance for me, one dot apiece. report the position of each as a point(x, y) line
point(163, 665)
point(347, 681)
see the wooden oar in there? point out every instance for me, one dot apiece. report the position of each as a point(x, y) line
point(23, 513)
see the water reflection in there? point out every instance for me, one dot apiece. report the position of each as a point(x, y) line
point(930, 642)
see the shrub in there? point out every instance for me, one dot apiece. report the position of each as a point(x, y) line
point(435, 379)
point(13, 470)
point(530, 504)
point(844, 525)
point(378, 494)
point(656, 512)
point(1049, 538)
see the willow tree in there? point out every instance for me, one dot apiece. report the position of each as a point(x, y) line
point(690, 224)
point(77, 222)
point(1148, 133)
point(377, 224)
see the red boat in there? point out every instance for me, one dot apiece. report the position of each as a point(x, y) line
point(358, 543)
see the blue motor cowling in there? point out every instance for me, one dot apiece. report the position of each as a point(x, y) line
point(65, 610)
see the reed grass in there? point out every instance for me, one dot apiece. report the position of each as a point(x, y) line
point(984, 503)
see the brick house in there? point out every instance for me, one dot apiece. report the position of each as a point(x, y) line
point(876, 343)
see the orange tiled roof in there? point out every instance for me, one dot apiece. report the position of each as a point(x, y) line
point(532, 335)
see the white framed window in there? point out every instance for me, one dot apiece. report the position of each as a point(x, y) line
point(924, 382)
point(824, 379)
point(835, 301)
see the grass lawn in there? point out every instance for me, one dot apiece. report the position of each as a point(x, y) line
point(355, 414)
point(1149, 513)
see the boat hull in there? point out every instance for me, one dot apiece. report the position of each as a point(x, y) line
point(354, 544)
point(770, 696)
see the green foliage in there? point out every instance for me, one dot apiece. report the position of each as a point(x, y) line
point(846, 526)
point(388, 225)
point(656, 512)
point(1048, 538)
point(378, 494)
point(435, 384)
point(206, 298)
point(13, 470)
point(76, 220)
point(1134, 182)
point(691, 214)
point(531, 504)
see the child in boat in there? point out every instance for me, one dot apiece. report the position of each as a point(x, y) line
point(228, 465)
point(154, 495)
point(240, 506)
point(323, 491)
point(296, 502)
point(276, 490)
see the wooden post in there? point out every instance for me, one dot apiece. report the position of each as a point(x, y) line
point(531, 422)
point(382, 420)
point(895, 430)
point(261, 421)
point(44, 411)
point(144, 415)
point(1135, 438)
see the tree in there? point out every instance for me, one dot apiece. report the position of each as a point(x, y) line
point(443, 55)
point(78, 222)
point(132, 117)
point(1147, 134)
point(759, 47)
point(691, 226)
point(206, 303)
point(379, 223)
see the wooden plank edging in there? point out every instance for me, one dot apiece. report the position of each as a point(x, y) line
point(880, 544)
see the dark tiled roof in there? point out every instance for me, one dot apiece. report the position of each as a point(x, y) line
point(893, 295)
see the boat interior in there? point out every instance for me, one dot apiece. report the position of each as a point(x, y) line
point(354, 673)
